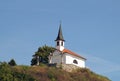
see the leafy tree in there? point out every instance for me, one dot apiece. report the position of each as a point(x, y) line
point(12, 62)
point(41, 56)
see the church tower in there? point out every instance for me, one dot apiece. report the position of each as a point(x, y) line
point(60, 40)
point(65, 56)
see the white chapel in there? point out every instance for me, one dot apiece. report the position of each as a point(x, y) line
point(64, 56)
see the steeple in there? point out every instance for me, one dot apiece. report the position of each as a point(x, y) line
point(60, 40)
point(60, 36)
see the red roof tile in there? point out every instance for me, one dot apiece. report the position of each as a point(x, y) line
point(72, 53)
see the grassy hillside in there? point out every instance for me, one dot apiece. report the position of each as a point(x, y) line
point(45, 73)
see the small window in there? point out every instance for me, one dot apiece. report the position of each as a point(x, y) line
point(61, 43)
point(57, 43)
point(75, 61)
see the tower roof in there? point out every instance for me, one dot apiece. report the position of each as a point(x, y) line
point(60, 36)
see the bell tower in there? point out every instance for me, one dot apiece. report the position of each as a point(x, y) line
point(60, 40)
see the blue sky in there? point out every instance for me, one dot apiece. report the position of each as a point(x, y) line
point(91, 28)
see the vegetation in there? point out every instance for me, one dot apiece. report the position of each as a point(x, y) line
point(12, 62)
point(10, 73)
point(45, 73)
point(41, 56)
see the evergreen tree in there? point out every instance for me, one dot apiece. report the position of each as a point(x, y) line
point(12, 62)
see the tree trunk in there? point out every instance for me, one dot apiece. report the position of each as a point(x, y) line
point(38, 60)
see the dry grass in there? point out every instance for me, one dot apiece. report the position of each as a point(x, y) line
point(45, 73)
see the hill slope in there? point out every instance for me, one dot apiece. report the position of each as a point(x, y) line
point(45, 73)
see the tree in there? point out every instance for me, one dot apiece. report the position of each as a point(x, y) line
point(41, 56)
point(12, 62)
point(34, 61)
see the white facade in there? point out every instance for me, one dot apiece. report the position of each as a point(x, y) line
point(66, 58)
point(60, 45)
point(73, 59)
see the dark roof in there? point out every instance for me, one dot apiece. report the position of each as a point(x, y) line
point(60, 36)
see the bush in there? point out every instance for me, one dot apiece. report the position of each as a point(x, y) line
point(8, 73)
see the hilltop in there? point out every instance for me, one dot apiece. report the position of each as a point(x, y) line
point(45, 73)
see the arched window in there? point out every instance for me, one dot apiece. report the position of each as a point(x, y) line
point(75, 61)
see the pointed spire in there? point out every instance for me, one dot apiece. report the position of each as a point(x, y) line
point(60, 36)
